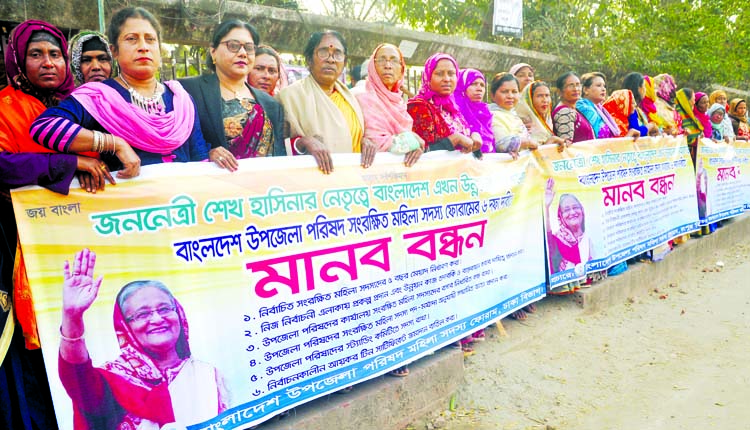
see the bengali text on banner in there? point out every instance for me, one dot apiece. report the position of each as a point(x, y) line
point(276, 284)
point(721, 186)
point(612, 199)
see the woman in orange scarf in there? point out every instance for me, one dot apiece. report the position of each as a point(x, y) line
point(623, 105)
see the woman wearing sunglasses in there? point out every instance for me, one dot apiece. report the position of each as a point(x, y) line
point(237, 120)
point(323, 116)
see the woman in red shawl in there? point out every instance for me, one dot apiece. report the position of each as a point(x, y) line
point(155, 381)
point(624, 106)
point(437, 118)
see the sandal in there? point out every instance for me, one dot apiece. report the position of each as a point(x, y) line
point(479, 336)
point(400, 372)
point(467, 349)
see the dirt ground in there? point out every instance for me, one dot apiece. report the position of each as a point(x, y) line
point(676, 358)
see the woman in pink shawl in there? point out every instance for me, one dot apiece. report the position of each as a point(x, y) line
point(469, 93)
point(387, 124)
point(155, 382)
point(133, 119)
point(700, 109)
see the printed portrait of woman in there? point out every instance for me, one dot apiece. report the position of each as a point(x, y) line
point(569, 247)
point(155, 382)
point(701, 185)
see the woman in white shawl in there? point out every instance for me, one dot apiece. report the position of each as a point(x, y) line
point(534, 110)
point(322, 115)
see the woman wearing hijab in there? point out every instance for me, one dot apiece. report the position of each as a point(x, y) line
point(738, 116)
point(716, 113)
point(720, 97)
point(534, 110)
point(90, 57)
point(699, 110)
point(387, 124)
point(469, 95)
point(155, 381)
point(268, 72)
point(36, 61)
point(437, 119)
point(524, 73)
point(37, 64)
point(39, 76)
point(665, 94)
point(691, 126)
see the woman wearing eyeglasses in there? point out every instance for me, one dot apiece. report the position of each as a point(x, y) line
point(387, 123)
point(323, 116)
point(155, 381)
point(238, 121)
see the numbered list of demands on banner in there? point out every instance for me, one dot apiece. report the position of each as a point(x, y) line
point(376, 288)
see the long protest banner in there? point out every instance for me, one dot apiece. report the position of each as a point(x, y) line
point(722, 188)
point(612, 199)
point(294, 284)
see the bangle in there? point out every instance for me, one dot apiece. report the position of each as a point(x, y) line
point(297, 150)
point(70, 339)
point(111, 139)
point(96, 147)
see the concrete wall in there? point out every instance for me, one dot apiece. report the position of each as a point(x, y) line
point(190, 22)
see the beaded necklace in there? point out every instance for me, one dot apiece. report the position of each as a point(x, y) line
point(151, 105)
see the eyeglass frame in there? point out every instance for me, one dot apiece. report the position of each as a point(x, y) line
point(331, 52)
point(145, 315)
point(383, 61)
point(249, 51)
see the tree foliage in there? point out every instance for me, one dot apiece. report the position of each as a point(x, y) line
point(699, 42)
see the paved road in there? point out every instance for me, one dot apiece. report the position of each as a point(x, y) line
point(677, 358)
